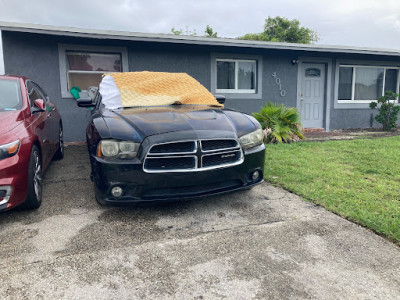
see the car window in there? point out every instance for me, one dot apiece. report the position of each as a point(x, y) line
point(41, 92)
point(10, 95)
point(33, 93)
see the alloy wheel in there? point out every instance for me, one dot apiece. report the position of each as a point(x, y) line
point(61, 141)
point(37, 177)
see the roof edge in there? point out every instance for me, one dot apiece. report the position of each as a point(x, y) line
point(182, 39)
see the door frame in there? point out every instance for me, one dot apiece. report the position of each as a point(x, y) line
point(327, 101)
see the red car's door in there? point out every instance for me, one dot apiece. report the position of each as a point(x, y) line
point(39, 124)
point(53, 121)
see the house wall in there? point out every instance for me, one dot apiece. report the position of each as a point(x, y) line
point(281, 64)
point(358, 115)
point(349, 118)
point(36, 56)
point(195, 63)
point(271, 63)
point(1, 56)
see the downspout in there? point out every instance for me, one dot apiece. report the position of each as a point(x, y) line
point(2, 71)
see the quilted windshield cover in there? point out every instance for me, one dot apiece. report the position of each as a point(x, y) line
point(133, 89)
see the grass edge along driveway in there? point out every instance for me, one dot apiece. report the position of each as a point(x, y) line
point(357, 179)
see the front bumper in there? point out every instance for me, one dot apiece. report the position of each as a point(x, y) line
point(13, 179)
point(139, 186)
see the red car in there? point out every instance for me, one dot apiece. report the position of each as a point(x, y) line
point(31, 136)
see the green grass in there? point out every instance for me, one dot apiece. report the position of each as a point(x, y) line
point(357, 179)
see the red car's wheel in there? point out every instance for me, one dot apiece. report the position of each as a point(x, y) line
point(60, 151)
point(34, 180)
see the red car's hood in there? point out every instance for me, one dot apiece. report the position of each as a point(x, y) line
point(9, 120)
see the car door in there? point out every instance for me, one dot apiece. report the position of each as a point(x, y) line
point(52, 122)
point(38, 124)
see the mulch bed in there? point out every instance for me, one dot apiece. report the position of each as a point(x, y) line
point(349, 134)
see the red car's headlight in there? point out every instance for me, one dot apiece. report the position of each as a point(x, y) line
point(10, 149)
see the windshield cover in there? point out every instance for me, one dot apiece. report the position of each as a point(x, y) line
point(144, 89)
point(10, 95)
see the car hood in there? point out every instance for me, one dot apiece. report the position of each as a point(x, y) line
point(9, 120)
point(159, 120)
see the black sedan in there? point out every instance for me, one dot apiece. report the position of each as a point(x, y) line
point(171, 152)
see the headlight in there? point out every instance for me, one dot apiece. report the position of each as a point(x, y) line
point(10, 149)
point(252, 139)
point(117, 149)
point(109, 148)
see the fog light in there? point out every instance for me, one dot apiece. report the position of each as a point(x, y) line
point(255, 175)
point(5, 194)
point(116, 191)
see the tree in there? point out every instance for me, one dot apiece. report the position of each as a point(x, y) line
point(281, 29)
point(280, 123)
point(209, 32)
point(388, 111)
point(187, 31)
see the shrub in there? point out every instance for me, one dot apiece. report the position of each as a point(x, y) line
point(388, 112)
point(280, 123)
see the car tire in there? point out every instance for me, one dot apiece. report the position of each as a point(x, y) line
point(34, 199)
point(100, 201)
point(60, 150)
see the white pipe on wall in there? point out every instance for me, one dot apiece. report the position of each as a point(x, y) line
point(1, 56)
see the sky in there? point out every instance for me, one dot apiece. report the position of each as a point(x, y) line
point(365, 23)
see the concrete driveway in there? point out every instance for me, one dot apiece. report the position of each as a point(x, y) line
point(264, 243)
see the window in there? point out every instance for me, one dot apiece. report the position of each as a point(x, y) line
point(34, 93)
point(83, 66)
point(10, 95)
point(312, 72)
point(85, 69)
point(366, 83)
point(236, 76)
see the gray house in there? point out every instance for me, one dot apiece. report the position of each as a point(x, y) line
point(330, 85)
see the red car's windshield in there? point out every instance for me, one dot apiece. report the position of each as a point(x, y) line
point(10, 95)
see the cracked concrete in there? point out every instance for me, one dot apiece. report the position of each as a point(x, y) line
point(265, 243)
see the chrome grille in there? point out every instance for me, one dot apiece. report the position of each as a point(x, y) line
point(216, 159)
point(170, 148)
point(194, 155)
point(170, 163)
point(211, 145)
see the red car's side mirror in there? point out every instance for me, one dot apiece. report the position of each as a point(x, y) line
point(39, 103)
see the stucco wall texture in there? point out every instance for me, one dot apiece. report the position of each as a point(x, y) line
point(36, 56)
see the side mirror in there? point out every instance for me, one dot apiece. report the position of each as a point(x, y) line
point(85, 102)
point(40, 105)
point(220, 99)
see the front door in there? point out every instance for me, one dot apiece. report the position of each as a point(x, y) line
point(312, 95)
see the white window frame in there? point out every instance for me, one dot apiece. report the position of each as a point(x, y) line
point(353, 84)
point(257, 95)
point(62, 58)
point(236, 90)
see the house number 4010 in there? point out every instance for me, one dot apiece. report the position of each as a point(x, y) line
point(278, 83)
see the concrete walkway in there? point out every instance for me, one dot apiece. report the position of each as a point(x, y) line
point(264, 243)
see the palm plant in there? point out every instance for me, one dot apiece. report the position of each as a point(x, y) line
point(280, 123)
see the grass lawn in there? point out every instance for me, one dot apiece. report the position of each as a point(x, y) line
point(357, 179)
